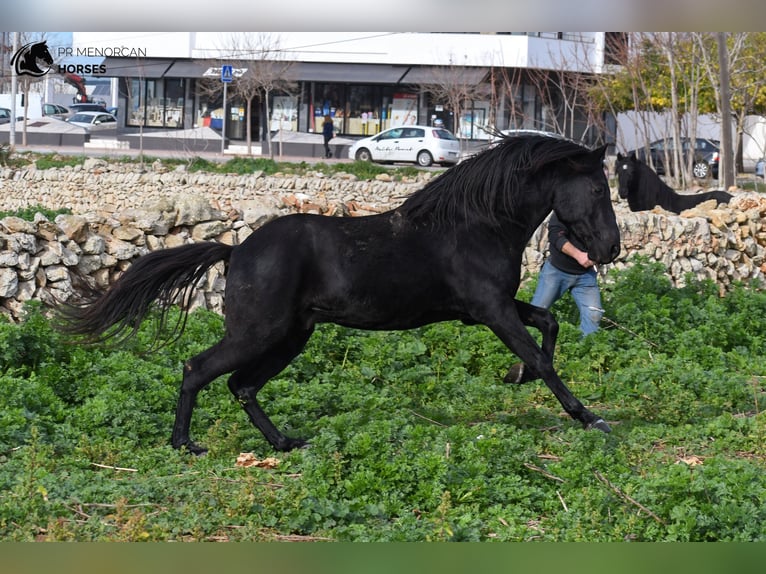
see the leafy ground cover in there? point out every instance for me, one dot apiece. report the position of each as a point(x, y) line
point(414, 435)
point(236, 165)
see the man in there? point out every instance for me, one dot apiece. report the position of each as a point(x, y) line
point(568, 268)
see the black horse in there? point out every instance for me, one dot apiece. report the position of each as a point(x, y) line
point(644, 189)
point(451, 251)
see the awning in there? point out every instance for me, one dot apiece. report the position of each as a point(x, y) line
point(298, 71)
point(136, 67)
point(421, 75)
point(346, 73)
point(192, 68)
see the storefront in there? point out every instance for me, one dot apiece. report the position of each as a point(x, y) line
point(361, 99)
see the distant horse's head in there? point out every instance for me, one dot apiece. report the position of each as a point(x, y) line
point(582, 201)
point(626, 171)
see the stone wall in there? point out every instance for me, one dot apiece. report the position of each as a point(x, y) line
point(120, 213)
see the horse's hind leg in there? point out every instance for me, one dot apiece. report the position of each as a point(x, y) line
point(247, 381)
point(542, 320)
point(199, 371)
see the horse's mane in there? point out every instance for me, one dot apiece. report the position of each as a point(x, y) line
point(486, 186)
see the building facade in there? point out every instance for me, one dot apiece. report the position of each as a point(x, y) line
point(471, 83)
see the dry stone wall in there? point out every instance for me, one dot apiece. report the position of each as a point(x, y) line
point(120, 213)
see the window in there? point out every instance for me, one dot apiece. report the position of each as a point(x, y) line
point(364, 110)
point(615, 46)
point(156, 102)
point(329, 100)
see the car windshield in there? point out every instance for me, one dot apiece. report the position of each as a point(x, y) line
point(83, 118)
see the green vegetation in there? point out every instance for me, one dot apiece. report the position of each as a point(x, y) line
point(414, 435)
point(237, 165)
point(28, 213)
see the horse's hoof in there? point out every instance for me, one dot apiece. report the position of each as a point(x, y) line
point(193, 448)
point(599, 424)
point(288, 444)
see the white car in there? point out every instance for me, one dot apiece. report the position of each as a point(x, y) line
point(423, 145)
point(93, 120)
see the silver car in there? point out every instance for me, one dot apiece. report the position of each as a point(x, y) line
point(423, 145)
point(92, 121)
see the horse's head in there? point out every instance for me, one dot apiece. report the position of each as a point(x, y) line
point(626, 169)
point(582, 201)
point(41, 52)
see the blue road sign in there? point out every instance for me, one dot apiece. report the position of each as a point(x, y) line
point(227, 73)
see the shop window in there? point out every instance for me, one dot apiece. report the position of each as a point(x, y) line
point(174, 103)
point(155, 102)
point(284, 114)
point(329, 100)
point(364, 110)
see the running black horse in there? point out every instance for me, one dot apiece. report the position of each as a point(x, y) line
point(451, 251)
point(644, 189)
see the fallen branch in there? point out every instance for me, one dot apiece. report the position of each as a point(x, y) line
point(544, 472)
point(426, 418)
point(114, 467)
point(633, 501)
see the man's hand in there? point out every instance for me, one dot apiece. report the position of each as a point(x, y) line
point(578, 255)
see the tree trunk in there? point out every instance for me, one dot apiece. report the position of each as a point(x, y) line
point(726, 162)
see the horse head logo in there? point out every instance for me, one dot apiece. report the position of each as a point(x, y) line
point(26, 61)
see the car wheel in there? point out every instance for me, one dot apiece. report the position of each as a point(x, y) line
point(364, 155)
point(701, 170)
point(424, 158)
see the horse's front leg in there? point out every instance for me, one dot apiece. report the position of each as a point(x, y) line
point(544, 321)
point(509, 327)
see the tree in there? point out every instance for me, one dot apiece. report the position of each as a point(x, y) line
point(679, 74)
point(451, 85)
point(266, 71)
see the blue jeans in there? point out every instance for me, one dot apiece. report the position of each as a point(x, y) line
point(553, 283)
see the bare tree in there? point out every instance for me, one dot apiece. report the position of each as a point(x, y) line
point(265, 71)
point(451, 85)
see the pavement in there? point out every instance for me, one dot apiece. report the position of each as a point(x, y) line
point(51, 135)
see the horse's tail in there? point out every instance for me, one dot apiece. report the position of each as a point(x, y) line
point(167, 276)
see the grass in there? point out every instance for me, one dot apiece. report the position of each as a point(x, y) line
point(414, 437)
point(237, 165)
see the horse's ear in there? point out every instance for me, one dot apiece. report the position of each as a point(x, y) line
point(620, 157)
point(633, 156)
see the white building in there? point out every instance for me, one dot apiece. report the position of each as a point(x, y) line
point(365, 81)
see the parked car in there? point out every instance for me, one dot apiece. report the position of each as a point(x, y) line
point(55, 111)
point(90, 107)
point(93, 121)
point(705, 162)
point(5, 116)
point(423, 145)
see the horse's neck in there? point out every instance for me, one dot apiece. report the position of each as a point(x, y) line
point(657, 192)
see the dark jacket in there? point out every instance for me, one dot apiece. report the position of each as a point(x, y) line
point(327, 130)
point(557, 236)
